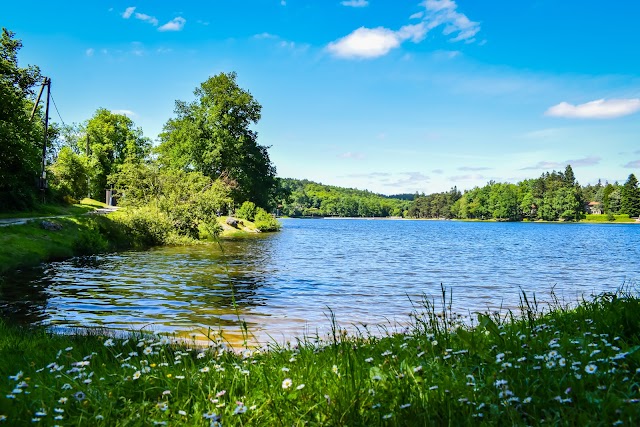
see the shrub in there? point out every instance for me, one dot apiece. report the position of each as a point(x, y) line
point(265, 221)
point(247, 211)
point(149, 225)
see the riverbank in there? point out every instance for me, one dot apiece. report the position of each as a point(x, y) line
point(33, 241)
point(558, 368)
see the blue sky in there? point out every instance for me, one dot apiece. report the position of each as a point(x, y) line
point(390, 96)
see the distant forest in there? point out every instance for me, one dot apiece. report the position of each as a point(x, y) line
point(553, 196)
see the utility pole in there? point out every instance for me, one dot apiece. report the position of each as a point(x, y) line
point(43, 177)
point(88, 176)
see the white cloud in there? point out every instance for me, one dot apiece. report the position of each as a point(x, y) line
point(443, 12)
point(128, 12)
point(128, 113)
point(355, 3)
point(89, 52)
point(147, 18)
point(370, 43)
point(283, 3)
point(598, 109)
point(176, 24)
point(365, 43)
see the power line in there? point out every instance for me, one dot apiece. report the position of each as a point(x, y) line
point(54, 104)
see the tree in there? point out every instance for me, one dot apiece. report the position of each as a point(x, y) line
point(630, 197)
point(113, 142)
point(569, 177)
point(69, 174)
point(21, 139)
point(213, 135)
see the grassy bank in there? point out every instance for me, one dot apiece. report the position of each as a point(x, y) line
point(607, 218)
point(30, 244)
point(83, 207)
point(568, 367)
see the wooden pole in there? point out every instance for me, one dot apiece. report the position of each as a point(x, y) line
point(43, 177)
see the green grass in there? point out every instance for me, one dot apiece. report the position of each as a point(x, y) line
point(605, 218)
point(85, 205)
point(566, 367)
point(29, 244)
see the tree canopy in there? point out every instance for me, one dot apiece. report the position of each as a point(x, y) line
point(20, 138)
point(212, 135)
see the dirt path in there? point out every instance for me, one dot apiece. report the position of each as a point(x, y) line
point(19, 221)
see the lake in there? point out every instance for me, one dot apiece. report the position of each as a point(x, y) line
point(364, 271)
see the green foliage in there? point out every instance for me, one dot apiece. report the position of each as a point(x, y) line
point(518, 369)
point(21, 139)
point(630, 197)
point(437, 205)
point(307, 198)
point(247, 211)
point(265, 221)
point(552, 197)
point(69, 174)
point(113, 142)
point(188, 199)
point(149, 225)
point(212, 136)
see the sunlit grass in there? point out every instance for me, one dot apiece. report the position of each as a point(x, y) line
point(566, 367)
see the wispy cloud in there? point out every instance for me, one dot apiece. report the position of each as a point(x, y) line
point(367, 43)
point(598, 109)
point(635, 164)
point(351, 155)
point(467, 177)
point(128, 12)
point(410, 179)
point(128, 113)
point(542, 133)
point(473, 169)
point(281, 43)
point(147, 18)
point(438, 171)
point(355, 3)
point(89, 52)
point(176, 24)
point(265, 35)
point(369, 175)
point(586, 161)
point(137, 49)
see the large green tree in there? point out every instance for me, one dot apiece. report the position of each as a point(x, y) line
point(21, 139)
point(113, 142)
point(213, 135)
point(630, 197)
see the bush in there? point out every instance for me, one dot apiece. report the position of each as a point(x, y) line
point(247, 211)
point(265, 221)
point(149, 225)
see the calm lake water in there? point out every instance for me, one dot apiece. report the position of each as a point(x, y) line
point(365, 271)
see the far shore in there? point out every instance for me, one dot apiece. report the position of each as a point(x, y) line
point(398, 218)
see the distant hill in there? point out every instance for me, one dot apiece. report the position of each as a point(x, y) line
point(404, 196)
point(308, 198)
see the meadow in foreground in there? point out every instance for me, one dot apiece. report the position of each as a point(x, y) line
point(576, 366)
